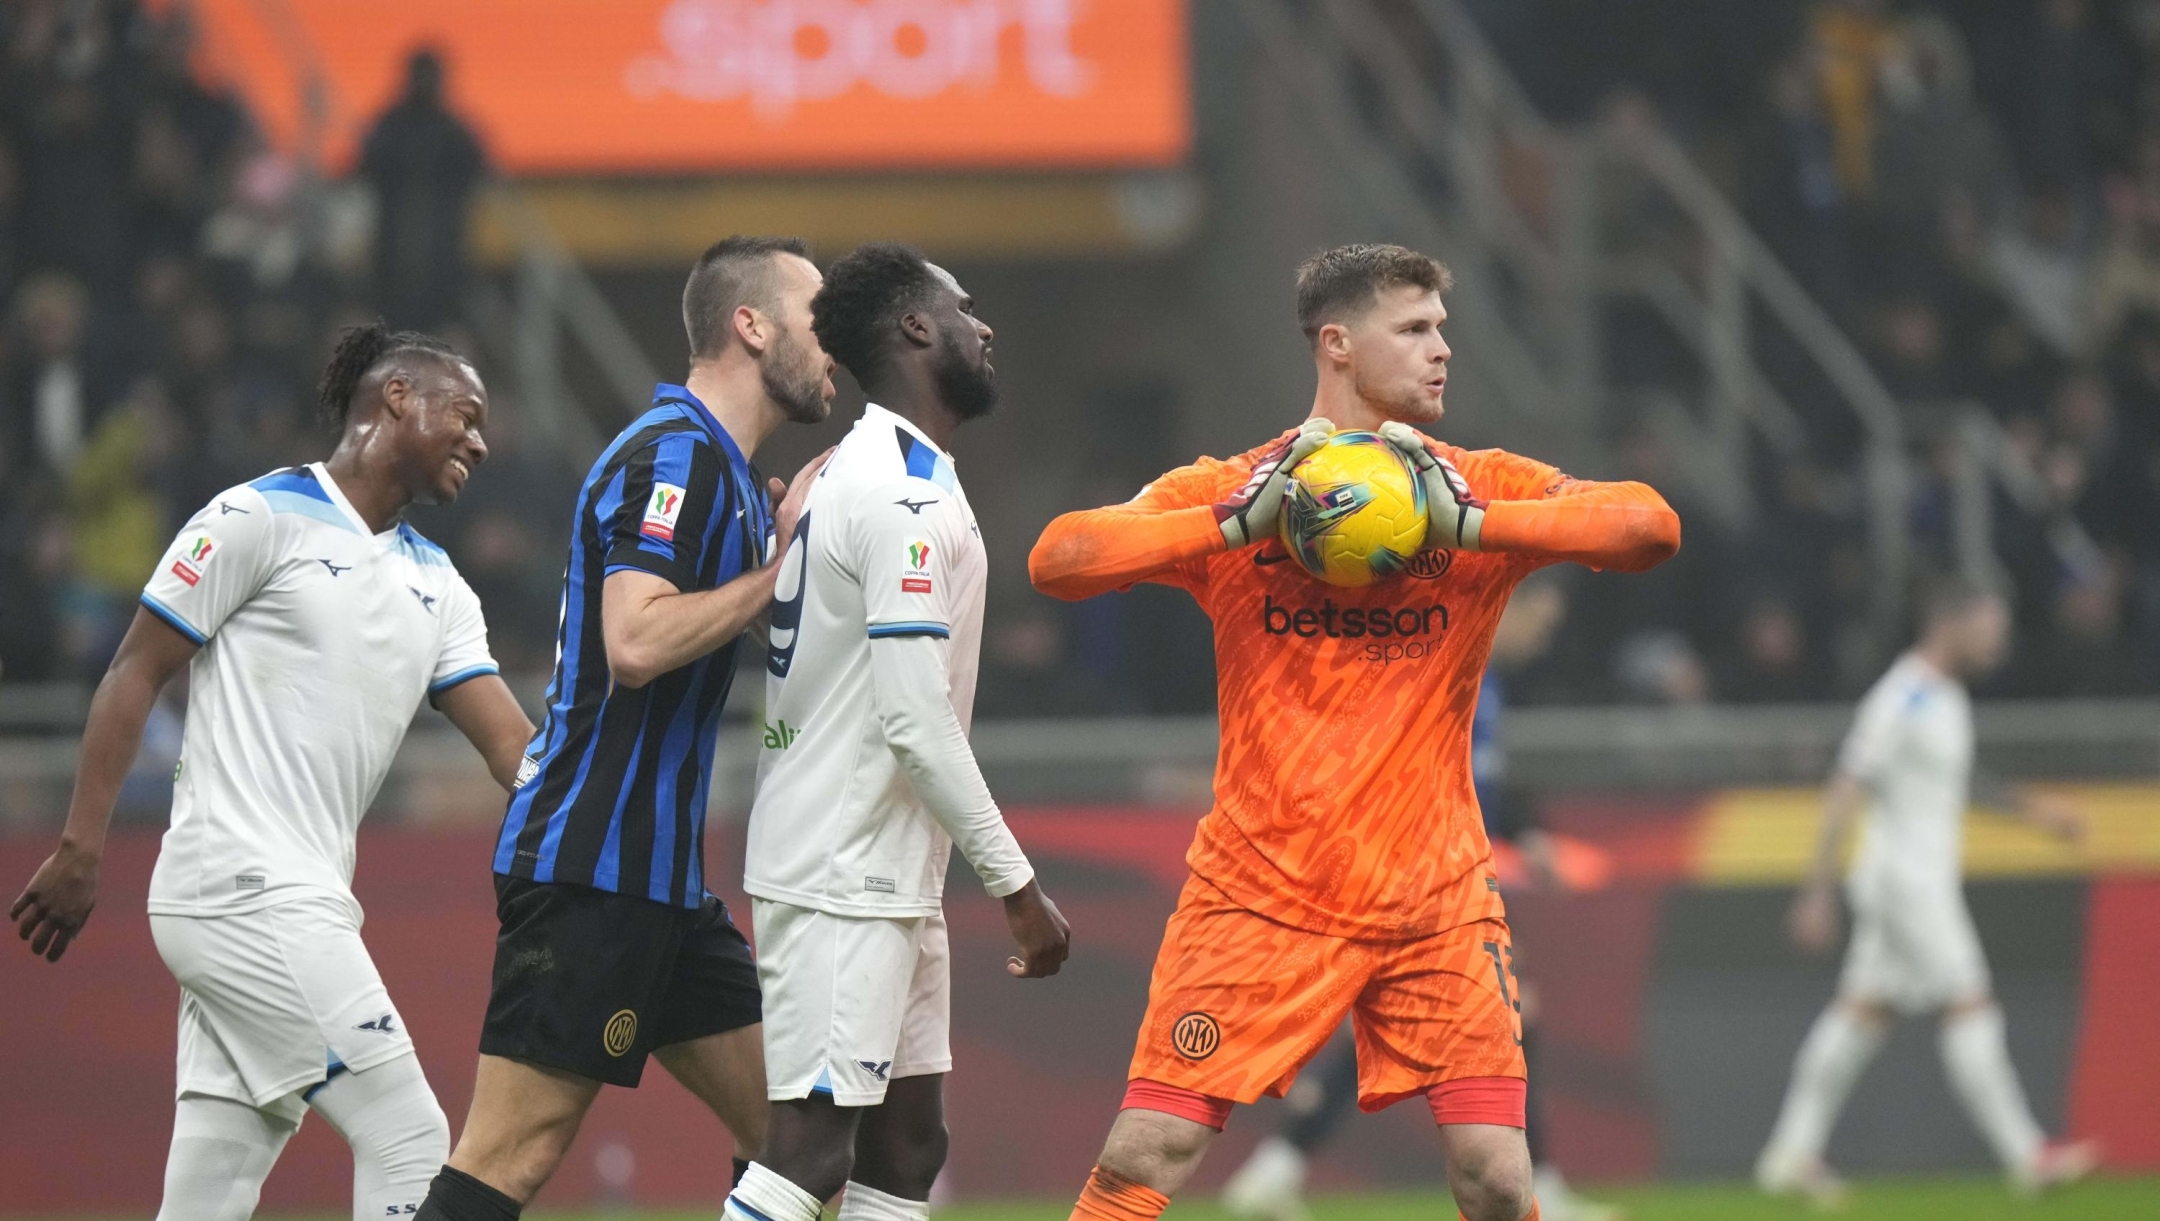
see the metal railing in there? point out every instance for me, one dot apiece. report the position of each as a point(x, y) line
point(1414, 86)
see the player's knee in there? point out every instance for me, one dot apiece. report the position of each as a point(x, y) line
point(905, 1163)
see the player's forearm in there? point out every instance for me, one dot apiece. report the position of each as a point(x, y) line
point(924, 735)
point(1841, 808)
point(111, 738)
point(1098, 550)
point(1626, 527)
point(652, 633)
point(484, 710)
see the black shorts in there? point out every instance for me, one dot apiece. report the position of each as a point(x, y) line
point(591, 982)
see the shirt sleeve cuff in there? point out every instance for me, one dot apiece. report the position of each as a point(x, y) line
point(674, 572)
point(174, 621)
point(1010, 883)
point(911, 627)
point(465, 675)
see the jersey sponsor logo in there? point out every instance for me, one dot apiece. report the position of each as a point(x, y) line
point(1430, 565)
point(335, 569)
point(916, 579)
point(224, 508)
point(1390, 633)
point(195, 553)
point(662, 511)
point(619, 1033)
point(915, 506)
point(427, 600)
point(779, 735)
point(876, 1068)
point(386, 1024)
point(1196, 1036)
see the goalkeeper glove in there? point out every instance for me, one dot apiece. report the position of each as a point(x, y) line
point(1454, 514)
point(1252, 511)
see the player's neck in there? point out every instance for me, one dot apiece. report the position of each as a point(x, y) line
point(1338, 402)
point(366, 472)
point(733, 390)
point(1938, 657)
point(920, 405)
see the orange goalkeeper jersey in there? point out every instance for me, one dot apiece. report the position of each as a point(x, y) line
point(1343, 796)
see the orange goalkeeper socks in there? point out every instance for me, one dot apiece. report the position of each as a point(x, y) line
point(1110, 1197)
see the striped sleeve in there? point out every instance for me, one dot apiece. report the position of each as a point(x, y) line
point(660, 515)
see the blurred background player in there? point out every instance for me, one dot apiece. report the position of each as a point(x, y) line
point(1341, 871)
point(867, 780)
point(1270, 1185)
point(611, 948)
point(312, 621)
point(1907, 764)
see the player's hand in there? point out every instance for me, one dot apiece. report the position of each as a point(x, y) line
point(1252, 511)
point(2056, 815)
point(791, 498)
point(53, 908)
point(1040, 931)
point(1813, 921)
point(1455, 514)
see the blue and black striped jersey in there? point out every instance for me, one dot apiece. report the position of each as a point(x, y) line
point(613, 796)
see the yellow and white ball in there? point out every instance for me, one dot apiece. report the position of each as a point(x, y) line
point(1354, 511)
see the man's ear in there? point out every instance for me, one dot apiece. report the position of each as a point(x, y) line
point(400, 393)
point(752, 328)
point(915, 327)
point(1333, 342)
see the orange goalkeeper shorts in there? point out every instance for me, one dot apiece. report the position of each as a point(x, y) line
point(1239, 1003)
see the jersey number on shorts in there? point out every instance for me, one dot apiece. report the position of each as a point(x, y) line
point(1511, 997)
point(787, 605)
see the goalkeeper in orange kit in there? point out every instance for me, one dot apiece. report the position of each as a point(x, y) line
point(1344, 869)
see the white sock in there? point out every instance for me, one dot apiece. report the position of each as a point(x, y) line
point(1978, 1061)
point(765, 1196)
point(860, 1203)
point(397, 1131)
point(1830, 1060)
point(222, 1151)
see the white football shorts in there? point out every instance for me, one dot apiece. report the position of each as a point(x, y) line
point(851, 1003)
point(1913, 948)
point(271, 1000)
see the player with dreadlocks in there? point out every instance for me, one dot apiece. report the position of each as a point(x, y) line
point(312, 621)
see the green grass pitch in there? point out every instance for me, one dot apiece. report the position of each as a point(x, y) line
point(2117, 1199)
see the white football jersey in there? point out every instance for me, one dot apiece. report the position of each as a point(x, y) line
point(319, 640)
point(886, 546)
point(1912, 746)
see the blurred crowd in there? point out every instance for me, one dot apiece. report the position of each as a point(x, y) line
point(171, 286)
point(1972, 188)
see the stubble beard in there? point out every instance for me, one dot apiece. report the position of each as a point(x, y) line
point(794, 382)
point(970, 392)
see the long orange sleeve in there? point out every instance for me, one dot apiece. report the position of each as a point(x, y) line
point(1626, 527)
point(1097, 550)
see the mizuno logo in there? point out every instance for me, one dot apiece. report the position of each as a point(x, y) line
point(915, 506)
point(427, 601)
point(335, 568)
point(876, 1068)
point(224, 508)
point(386, 1024)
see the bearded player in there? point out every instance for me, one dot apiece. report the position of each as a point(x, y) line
point(1343, 869)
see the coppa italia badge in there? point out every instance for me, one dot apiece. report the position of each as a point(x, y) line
point(662, 511)
point(915, 579)
point(194, 556)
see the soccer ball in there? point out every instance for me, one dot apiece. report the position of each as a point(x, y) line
point(1354, 511)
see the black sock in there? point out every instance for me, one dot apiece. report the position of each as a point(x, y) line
point(741, 1164)
point(458, 1196)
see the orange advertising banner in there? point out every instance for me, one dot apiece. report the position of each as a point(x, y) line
point(571, 86)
